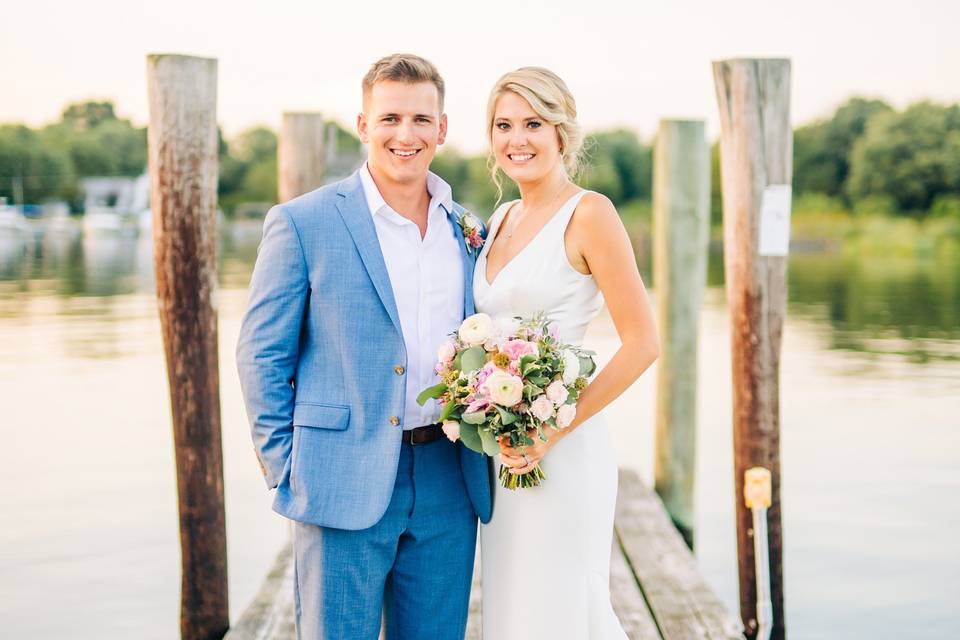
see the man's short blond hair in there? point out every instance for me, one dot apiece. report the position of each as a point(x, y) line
point(403, 67)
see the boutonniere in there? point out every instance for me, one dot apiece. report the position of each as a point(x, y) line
point(472, 230)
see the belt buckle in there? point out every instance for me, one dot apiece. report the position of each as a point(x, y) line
point(420, 435)
point(415, 436)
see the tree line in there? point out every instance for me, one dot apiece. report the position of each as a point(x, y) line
point(866, 157)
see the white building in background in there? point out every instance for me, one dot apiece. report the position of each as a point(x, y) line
point(114, 204)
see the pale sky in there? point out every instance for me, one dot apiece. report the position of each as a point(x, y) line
point(629, 63)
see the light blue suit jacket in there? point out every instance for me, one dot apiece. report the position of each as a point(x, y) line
point(318, 357)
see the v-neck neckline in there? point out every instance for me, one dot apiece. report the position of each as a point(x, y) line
point(496, 235)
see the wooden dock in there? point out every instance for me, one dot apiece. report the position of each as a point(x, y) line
point(656, 587)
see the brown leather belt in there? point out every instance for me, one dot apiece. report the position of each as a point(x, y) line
point(423, 435)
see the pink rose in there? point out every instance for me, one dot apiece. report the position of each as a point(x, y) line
point(557, 392)
point(542, 409)
point(516, 349)
point(565, 415)
point(451, 428)
point(447, 352)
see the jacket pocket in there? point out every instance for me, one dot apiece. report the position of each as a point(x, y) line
point(321, 416)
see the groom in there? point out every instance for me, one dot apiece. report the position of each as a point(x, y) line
point(356, 285)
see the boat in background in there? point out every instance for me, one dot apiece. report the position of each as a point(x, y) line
point(12, 220)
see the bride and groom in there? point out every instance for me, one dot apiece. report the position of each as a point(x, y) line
point(356, 285)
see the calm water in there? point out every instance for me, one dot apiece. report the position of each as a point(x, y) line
point(871, 444)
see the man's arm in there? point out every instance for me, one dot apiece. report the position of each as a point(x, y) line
point(268, 347)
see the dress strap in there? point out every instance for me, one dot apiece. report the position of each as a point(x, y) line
point(566, 214)
point(557, 227)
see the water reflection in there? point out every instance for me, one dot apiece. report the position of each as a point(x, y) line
point(105, 265)
point(872, 304)
point(904, 305)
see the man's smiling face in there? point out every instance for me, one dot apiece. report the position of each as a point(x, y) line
point(402, 125)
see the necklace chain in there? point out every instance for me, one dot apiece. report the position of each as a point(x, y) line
point(516, 225)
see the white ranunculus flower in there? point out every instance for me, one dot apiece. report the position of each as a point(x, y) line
point(503, 388)
point(557, 393)
point(571, 367)
point(565, 415)
point(542, 409)
point(476, 329)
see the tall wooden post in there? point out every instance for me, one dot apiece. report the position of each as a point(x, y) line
point(681, 213)
point(300, 157)
point(182, 142)
point(756, 154)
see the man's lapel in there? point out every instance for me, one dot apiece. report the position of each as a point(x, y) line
point(469, 260)
point(355, 212)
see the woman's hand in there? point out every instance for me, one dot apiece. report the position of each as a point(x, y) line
point(523, 459)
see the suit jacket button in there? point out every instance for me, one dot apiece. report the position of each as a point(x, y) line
point(395, 421)
point(398, 370)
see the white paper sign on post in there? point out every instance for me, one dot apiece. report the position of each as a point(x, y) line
point(775, 220)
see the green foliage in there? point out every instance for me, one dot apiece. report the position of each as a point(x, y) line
point(30, 167)
point(817, 203)
point(619, 166)
point(346, 141)
point(80, 116)
point(946, 206)
point(248, 168)
point(910, 157)
point(472, 358)
point(821, 150)
point(875, 205)
point(716, 186)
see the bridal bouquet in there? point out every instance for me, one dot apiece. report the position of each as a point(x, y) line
point(505, 380)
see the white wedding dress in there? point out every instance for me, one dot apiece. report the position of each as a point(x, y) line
point(545, 556)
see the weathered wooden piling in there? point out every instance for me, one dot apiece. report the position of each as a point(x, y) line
point(756, 151)
point(300, 154)
point(182, 142)
point(681, 199)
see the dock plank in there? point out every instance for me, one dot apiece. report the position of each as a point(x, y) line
point(683, 605)
point(628, 602)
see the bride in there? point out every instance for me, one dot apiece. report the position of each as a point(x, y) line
point(562, 250)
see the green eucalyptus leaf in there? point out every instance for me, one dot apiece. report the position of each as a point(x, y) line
point(489, 442)
point(470, 437)
point(587, 365)
point(472, 359)
point(475, 417)
point(506, 417)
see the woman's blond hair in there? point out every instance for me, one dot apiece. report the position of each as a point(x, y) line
point(550, 99)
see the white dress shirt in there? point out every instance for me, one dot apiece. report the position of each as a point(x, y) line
point(426, 276)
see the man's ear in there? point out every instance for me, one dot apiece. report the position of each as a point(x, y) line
point(443, 129)
point(362, 128)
